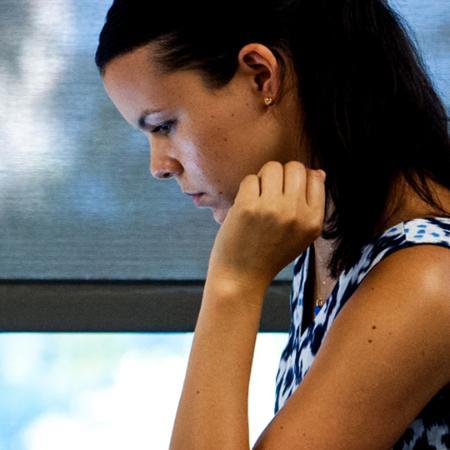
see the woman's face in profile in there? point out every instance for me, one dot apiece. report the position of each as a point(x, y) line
point(209, 140)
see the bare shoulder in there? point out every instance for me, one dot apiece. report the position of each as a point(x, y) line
point(421, 271)
point(383, 359)
point(416, 280)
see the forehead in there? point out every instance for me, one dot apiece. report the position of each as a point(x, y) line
point(135, 85)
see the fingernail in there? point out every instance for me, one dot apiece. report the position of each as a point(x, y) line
point(323, 173)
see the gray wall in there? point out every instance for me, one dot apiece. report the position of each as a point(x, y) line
point(77, 200)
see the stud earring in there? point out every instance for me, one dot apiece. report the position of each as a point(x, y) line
point(268, 101)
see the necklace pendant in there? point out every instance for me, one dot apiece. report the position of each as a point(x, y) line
point(318, 305)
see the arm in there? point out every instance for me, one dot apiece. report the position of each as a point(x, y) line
point(213, 409)
point(275, 216)
point(384, 357)
point(366, 384)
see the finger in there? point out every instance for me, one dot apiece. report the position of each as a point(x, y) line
point(315, 190)
point(295, 180)
point(249, 190)
point(272, 174)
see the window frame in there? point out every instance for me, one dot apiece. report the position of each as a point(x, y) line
point(120, 306)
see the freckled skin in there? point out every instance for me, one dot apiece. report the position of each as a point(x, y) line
point(220, 136)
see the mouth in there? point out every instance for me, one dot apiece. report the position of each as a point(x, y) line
point(196, 198)
point(195, 195)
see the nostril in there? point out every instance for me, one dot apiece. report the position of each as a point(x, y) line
point(162, 175)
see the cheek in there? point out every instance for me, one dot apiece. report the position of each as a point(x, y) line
point(222, 154)
point(213, 155)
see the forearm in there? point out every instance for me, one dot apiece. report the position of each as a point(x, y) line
point(213, 408)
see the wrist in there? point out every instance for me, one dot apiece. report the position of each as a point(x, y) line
point(229, 285)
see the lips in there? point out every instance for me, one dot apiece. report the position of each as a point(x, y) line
point(197, 199)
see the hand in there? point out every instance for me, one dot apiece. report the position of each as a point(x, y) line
point(276, 215)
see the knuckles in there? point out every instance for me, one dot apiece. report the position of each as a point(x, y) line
point(273, 164)
point(280, 214)
point(277, 216)
point(296, 164)
point(269, 165)
point(278, 164)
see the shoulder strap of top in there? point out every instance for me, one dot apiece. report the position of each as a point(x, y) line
point(423, 230)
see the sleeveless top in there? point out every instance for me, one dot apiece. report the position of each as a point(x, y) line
point(431, 428)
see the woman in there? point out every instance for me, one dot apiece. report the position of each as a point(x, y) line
point(257, 101)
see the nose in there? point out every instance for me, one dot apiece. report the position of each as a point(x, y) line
point(163, 166)
point(161, 175)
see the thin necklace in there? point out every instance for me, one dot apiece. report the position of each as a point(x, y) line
point(319, 301)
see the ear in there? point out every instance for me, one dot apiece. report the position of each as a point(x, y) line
point(259, 62)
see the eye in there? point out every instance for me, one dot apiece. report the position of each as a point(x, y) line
point(164, 128)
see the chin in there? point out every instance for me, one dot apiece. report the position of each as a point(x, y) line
point(220, 215)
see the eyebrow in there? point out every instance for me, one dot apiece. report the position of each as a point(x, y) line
point(141, 121)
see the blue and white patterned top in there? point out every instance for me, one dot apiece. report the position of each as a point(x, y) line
point(430, 429)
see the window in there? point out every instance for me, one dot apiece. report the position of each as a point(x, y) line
point(114, 391)
point(102, 266)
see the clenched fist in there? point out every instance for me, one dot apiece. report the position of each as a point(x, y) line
point(276, 215)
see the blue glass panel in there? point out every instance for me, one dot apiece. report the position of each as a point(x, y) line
point(108, 391)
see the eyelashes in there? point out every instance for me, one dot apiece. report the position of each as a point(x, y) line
point(164, 128)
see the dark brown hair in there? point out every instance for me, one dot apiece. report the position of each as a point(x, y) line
point(370, 109)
